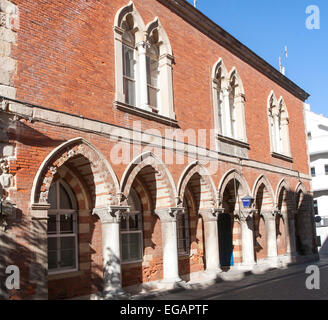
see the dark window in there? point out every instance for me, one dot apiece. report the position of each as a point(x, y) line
point(326, 169)
point(313, 172)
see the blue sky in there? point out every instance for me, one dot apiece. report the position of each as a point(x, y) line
point(267, 26)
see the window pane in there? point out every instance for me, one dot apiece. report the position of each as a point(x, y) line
point(313, 172)
point(52, 260)
point(52, 198)
point(326, 169)
point(66, 223)
point(65, 201)
point(152, 97)
point(129, 91)
point(52, 226)
point(134, 223)
point(131, 246)
point(123, 224)
point(67, 242)
point(67, 258)
point(67, 252)
point(52, 253)
point(128, 62)
point(152, 72)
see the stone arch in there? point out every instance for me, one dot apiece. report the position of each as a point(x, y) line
point(207, 192)
point(262, 180)
point(107, 185)
point(124, 13)
point(163, 39)
point(219, 68)
point(234, 74)
point(283, 185)
point(229, 176)
point(164, 180)
point(264, 205)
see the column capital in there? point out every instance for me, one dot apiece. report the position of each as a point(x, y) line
point(111, 214)
point(270, 214)
point(246, 214)
point(210, 214)
point(169, 214)
point(143, 45)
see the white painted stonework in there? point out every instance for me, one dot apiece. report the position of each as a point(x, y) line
point(317, 129)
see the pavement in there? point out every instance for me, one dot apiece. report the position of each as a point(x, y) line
point(273, 284)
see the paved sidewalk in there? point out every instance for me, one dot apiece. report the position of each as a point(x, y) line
point(230, 285)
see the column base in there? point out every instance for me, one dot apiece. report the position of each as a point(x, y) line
point(212, 274)
point(247, 266)
point(170, 284)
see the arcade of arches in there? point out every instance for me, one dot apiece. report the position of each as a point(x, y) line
point(147, 230)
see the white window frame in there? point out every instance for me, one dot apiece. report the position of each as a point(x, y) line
point(128, 231)
point(60, 212)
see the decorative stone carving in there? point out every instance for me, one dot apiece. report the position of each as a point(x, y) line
point(169, 214)
point(6, 179)
point(111, 214)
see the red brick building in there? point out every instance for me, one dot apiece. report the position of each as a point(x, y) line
point(131, 134)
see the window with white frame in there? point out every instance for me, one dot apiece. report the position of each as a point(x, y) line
point(143, 60)
point(152, 77)
point(229, 100)
point(129, 62)
point(62, 229)
point(132, 231)
point(183, 232)
point(278, 123)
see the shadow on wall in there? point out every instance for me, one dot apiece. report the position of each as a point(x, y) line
point(14, 249)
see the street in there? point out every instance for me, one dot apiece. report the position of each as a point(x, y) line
point(278, 284)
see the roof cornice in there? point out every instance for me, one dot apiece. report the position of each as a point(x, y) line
point(205, 25)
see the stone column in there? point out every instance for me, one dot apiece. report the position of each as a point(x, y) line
point(110, 218)
point(39, 267)
point(142, 71)
point(271, 235)
point(166, 86)
point(210, 218)
point(168, 219)
point(247, 237)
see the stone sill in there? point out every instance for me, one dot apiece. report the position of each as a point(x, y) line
point(66, 275)
point(145, 114)
point(281, 157)
point(232, 141)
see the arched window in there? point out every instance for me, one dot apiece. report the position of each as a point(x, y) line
point(62, 229)
point(229, 113)
point(132, 231)
point(143, 66)
point(129, 62)
point(278, 124)
point(183, 231)
point(153, 77)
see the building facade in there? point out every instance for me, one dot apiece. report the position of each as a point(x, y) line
point(317, 128)
point(132, 133)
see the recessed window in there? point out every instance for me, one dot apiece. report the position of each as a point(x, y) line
point(183, 232)
point(309, 135)
point(279, 125)
point(62, 229)
point(132, 231)
point(313, 172)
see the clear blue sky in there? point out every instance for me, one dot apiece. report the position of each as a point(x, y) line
point(266, 26)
